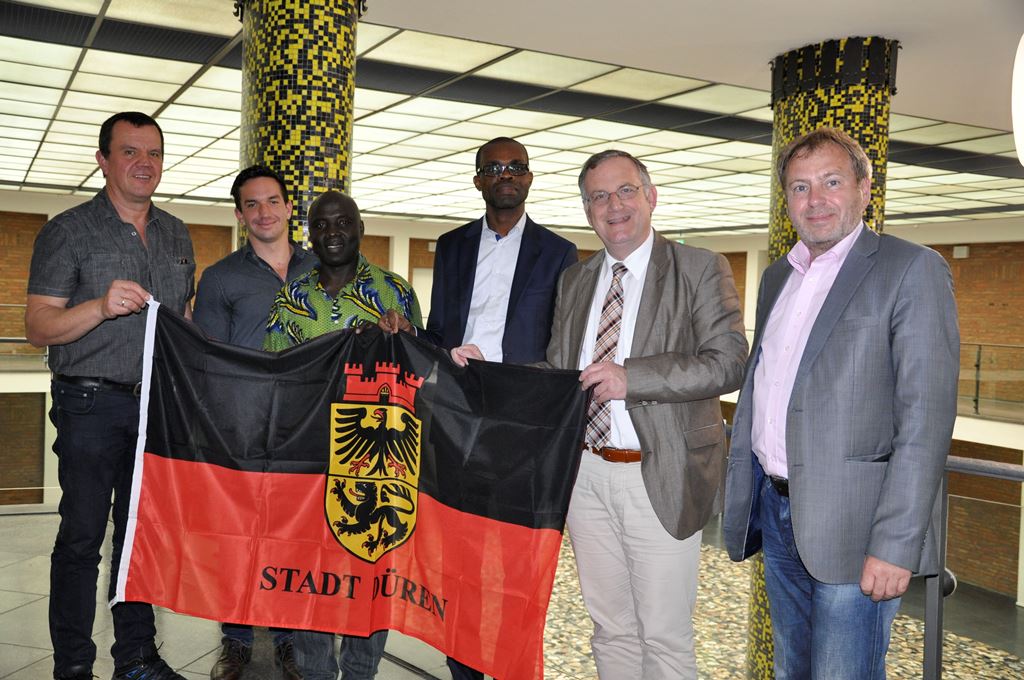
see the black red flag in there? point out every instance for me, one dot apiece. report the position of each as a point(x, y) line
point(353, 483)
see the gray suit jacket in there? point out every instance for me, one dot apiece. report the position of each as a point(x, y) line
point(688, 348)
point(870, 417)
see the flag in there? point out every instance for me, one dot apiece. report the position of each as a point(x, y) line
point(352, 483)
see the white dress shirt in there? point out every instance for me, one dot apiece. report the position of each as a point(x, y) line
point(623, 435)
point(492, 286)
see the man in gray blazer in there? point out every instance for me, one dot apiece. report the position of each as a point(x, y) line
point(651, 475)
point(844, 421)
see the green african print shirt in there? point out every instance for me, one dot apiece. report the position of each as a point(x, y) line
point(303, 310)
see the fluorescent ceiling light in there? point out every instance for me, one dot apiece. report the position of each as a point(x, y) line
point(28, 74)
point(200, 16)
point(221, 78)
point(131, 65)
point(533, 120)
point(899, 122)
point(398, 121)
point(441, 108)
point(548, 70)
point(376, 99)
point(482, 132)
point(208, 97)
point(371, 35)
point(721, 99)
point(636, 84)
point(434, 51)
point(943, 133)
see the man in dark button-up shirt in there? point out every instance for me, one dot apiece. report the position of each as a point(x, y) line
point(232, 305)
point(94, 267)
point(236, 293)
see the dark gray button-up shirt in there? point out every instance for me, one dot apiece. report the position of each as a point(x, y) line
point(236, 293)
point(80, 252)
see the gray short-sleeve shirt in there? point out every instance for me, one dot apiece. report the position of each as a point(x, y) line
point(80, 252)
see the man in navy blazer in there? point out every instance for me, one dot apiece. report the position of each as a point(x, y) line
point(480, 293)
point(503, 179)
point(495, 278)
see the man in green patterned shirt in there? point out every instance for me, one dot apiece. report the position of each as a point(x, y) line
point(343, 291)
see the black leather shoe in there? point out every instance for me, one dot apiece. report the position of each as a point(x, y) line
point(151, 668)
point(234, 655)
point(284, 658)
point(77, 672)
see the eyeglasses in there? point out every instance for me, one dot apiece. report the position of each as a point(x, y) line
point(497, 169)
point(627, 192)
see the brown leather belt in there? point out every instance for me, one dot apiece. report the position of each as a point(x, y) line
point(614, 455)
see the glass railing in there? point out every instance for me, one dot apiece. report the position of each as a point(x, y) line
point(991, 381)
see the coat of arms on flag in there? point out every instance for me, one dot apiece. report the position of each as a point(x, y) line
point(374, 472)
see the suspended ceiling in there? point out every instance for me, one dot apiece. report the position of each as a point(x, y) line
point(424, 102)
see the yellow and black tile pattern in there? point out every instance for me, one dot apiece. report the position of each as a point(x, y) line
point(298, 86)
point(759, 625)
point(847, 84)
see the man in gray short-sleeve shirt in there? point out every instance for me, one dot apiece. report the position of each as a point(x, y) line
point(93, 269)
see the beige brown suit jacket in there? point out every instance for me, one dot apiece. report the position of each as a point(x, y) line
point(688, 348)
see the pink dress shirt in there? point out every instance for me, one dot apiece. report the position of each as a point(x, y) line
point(782, 346)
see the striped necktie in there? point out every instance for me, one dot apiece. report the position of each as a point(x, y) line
point(599, 416)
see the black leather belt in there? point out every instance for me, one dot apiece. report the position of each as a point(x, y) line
point(133, 389)
point(780, 484)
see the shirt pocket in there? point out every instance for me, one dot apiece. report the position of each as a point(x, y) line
point(173, 279)
point(99, 270)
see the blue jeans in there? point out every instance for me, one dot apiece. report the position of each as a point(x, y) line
point(95, 447)
point(243, 633)
point(360, 656)
point(821, 631)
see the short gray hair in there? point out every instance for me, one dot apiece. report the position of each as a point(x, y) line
point(598, 158)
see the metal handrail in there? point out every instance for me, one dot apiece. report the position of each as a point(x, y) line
point(938, 586)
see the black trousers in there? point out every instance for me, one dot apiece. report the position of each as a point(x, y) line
point(95, 447)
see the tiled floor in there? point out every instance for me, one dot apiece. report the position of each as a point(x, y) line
point(191, 645)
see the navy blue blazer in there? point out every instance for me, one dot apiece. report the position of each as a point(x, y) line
point(542, 257)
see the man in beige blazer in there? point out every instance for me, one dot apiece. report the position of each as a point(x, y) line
point(651, 477)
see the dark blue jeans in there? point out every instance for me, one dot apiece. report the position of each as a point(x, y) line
point(95, 447)
point(822, 631)
point(360, 656)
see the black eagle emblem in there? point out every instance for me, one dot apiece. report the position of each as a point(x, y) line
point(378, 448)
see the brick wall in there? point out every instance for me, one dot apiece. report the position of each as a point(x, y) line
point(17, 235)
point(21, 465)
point(984, 522)
point(989, 286)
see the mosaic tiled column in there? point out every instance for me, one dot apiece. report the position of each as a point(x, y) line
point(298, 81)
point(846, 84)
